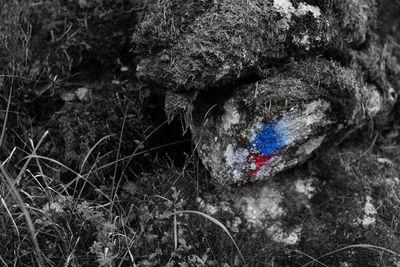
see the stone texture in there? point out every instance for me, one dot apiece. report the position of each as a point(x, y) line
point(341, 199)
point(231, 39)
point(266, 85)
point(263, 85)
point(277, 123)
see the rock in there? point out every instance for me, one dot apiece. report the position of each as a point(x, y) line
point(279, 122)
point(232, 39)
point(264, 84)
point(82, 94)
point(318, 208)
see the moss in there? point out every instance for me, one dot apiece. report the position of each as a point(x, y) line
point(233, 40)
point(355, 19)
point(333, 83)
point(14, 44)
point(225, 41)
point(303, 82)
point(339, 205)
point(164, 21)
point(78, 126)
point(65, 35)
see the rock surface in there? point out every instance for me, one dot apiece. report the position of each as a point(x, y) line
point(263, 84)
point(339, 210)
point(277, 123)
point(231, 39)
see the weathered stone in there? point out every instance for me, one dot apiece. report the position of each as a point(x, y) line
point(279, 122)
point(344, 197)
point(315, 73)
point(264, 85)
point(262, 207)
point(233, 39)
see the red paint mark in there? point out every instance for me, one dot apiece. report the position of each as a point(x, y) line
point(259, 161)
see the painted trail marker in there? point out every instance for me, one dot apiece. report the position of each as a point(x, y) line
point(267, 144)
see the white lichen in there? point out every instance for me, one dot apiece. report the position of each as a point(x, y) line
point(369, 213)
point(236, 159)
point(234, 226)
point(303, 41)
point(305, 187)
point(231, 115)
point(286, 8)
point(212, 209)
point(304, 8)
point(374, 100)
point(264, 205)
point(254, 129)
point(230, 155)
point(277, 234)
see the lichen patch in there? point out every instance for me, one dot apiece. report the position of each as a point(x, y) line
point(304, 8)
point(302, 41)
point(277, 234)
point(375, 101)
point(255, 127)
point(369, 213)
point(211, 208)
point(305, 187)
point(266, 205)
point(235, 159)
point(231, 115)
point(286, 8)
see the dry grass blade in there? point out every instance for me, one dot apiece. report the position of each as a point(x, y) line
point(3, 131)
point(11, 187)
point(128, 158)
point(3, 261)
point(215, 221)
point(9, 156)
point(28, 219)
point(366, 151)
point(312, 258)
point(175, 231)
point(135, 152)
point(367, 246)
point(94, 165)
point(22, 171)
point(92, 149)
point(113, 188)
point(11, 217)
point(78, 176)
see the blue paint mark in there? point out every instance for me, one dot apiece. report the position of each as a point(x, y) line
point(268, 142)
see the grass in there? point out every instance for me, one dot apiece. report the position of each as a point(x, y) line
point(85, 184)
point(67, 229)
point(15, 193)
point(362, 246)
point(114, 226)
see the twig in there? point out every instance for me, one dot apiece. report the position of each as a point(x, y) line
point(366, 151)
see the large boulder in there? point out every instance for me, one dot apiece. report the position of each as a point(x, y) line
point(277, 123)
point(339, 210)
point(231, 39)
point(263, 84)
